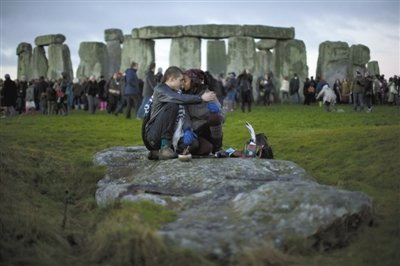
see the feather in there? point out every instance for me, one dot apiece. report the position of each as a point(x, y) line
point(251, 131)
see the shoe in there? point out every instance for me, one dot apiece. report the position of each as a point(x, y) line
point(167, 153)
point(153, 155)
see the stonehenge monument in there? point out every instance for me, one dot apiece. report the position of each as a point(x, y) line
point(230, 48)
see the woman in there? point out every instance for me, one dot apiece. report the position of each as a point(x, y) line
point(206, 118)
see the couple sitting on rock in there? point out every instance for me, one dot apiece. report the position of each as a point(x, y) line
point(185, 116)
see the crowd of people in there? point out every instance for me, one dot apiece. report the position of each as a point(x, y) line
point(183, 111)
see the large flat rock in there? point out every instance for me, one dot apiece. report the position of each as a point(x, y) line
point(227, 205)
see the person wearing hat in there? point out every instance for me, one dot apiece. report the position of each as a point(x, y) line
point(357, 89)
point(114, 87)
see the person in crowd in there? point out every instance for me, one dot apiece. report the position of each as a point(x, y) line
point(206, 117)
point(131, 96)
point(149, 85)
point(329, 97)
point(159, 75)
point(321, 82)
point(357, 89)
point(167, 116)
point(10, 95)
point(230, 99)
point(376, 89)
point(30, 98)
point(21, 95)
point(337, 87)
point(294, 86)
point(77, 92)
point(92, 94)
point(308, 91)
point(284, 90)
point(40, 87)
point(345, 91)
point(51, 98)
point(392, 91)
point(61, 98)
point(114, 87)
point(368, 90)
point(102, 94)
point(266, 87)
point(244, 83)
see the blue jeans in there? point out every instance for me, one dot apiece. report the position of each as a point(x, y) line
point(140, 113)
point(358, 97)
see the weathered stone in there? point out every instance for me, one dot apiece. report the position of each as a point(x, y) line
point(373, 68)
point(358, 59)
point(241, 54)
point(333, 60)
point(160, 32)
point(268, 32)
point(49, 39)
point(94, 60)
point(290, 57)
point(265, 45)
point(24, 52)
point(185, 53)
point(68, 70)
point(59, 61)
point(213, 31)
point(139, 51)
point(113, 35)
point(114, 57)
point(39, 63)
point(216, 57)
point(226, 206)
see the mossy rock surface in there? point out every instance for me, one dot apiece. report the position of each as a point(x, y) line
point(226, 205)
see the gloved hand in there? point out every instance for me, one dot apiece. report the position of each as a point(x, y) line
point(213, 107)
point(189, 136)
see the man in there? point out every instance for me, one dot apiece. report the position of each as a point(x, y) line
point(131, 92)
point(357, 89)
point(158, 131)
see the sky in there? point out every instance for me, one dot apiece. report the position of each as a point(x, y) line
point(375, 24)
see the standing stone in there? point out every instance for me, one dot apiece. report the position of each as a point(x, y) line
point(39, 63)
point(24, 52)
point(59, 61)
point(241, 54)
point(290, 57)
point(67, 62)
point(333, 61)
point(94, 59)
point(185, 53)
point(358, 59)
point(216, 57)
point(113, 38)
point(139, 51)
point(373, 68)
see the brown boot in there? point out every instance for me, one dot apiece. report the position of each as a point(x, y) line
point(166, 153)
point(153, 155)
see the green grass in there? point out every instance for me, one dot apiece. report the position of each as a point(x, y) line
point(46, 161)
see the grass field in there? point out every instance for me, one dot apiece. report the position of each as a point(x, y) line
point(48, 215)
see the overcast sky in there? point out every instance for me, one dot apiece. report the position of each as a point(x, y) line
point(375, 24)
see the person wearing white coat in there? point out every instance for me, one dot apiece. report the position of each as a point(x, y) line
point(329, 97)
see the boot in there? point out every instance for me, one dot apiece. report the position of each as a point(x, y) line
point(167, 153)
point(153, 155)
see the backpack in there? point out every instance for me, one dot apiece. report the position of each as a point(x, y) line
point(263, 148)
point(146, 118)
